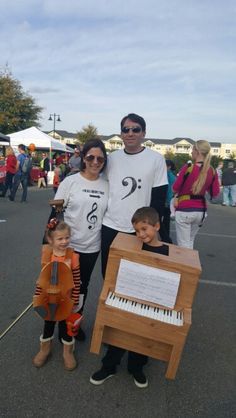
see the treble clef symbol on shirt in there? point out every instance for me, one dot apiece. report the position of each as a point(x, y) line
point(91, 217)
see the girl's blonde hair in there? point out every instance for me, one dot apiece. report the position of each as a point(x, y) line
point(55, 225)
point(204, 148)
point(9, 150)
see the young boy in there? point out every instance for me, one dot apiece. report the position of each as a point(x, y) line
point(146, 224)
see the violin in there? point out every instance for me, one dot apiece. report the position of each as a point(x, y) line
point(56, 282)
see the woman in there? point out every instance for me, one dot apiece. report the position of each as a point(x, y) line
point(191, 186)
point(85, 196)
point(171, 179)
point(11, 163)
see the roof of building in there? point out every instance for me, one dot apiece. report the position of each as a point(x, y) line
point(62, 133)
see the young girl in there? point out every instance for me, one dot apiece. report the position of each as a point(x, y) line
point(41, 178)
point(191, 186)
point(58, 236)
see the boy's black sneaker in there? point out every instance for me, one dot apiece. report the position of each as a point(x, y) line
point(99, 377)
point(140, 380)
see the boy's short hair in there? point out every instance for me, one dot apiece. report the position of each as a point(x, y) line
point(146, 214)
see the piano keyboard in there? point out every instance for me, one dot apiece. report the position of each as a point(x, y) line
point(163, 315)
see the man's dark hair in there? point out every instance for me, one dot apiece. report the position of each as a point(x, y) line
point(22, 147)
point(135, 118)
point(146, 214)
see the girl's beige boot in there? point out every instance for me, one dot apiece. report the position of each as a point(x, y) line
point(45, 350)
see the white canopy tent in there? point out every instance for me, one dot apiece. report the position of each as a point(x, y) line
point(4, 139)
point(38, 138)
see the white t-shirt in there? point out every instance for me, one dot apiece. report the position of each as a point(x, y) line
point(85, 202)
point(131, 178)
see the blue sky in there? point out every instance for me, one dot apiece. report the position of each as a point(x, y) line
point(94, 61)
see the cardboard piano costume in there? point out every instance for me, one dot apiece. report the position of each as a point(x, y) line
point(160, 339)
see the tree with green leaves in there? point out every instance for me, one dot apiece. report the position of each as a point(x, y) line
point(180, 159)
point(18, 109)
point(88, 132)
point(215, 159)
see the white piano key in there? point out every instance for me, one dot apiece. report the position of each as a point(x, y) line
point(143, 309)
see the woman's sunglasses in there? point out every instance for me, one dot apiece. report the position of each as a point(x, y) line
point(89, 158)
point(135, 130)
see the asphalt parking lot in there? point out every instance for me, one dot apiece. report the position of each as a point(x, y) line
point(205, 385)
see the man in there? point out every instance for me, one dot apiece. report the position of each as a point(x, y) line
point(45, 166)
point(137, 177)
point(74, 161)
point(20, 176)
point(229, 185)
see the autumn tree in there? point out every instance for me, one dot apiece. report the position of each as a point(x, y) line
point(88, 132)
point(18, 109)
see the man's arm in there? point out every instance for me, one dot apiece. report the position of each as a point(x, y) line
point(158, 199)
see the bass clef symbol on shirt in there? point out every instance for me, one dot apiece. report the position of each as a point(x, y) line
point(130, 181)
point(91, 217)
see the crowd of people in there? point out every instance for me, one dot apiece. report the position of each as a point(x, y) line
point(18, 170)
point(131, 190)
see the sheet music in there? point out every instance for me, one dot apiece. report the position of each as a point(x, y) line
point(147, 283)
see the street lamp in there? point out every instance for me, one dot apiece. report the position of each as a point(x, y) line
point(53, 117)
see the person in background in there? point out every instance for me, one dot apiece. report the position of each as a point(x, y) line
point(219, 170)
point(191, 185)
point(56, 178)
point(45, 166)
point(171, 179)
point(75, 161)
point(11, 164)
point(229, 185)
point(41, 178)
point(20, 176)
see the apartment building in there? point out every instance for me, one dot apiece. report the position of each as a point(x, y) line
point(175, 146)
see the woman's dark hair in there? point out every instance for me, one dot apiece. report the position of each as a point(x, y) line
point(93, 143)
point(170, 163)
point(135, 118)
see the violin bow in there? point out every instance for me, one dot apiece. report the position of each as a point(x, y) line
point(16, 320)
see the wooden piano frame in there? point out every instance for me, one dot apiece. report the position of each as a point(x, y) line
point(136, 333)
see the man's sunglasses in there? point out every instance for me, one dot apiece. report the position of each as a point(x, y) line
point(135, 130)
point(89, 158)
